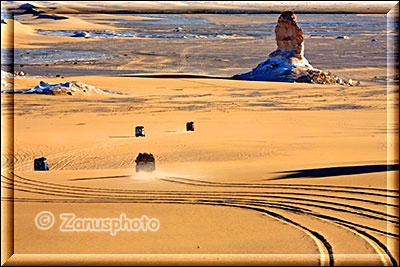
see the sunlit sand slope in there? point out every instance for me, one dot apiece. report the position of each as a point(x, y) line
point(271, 168)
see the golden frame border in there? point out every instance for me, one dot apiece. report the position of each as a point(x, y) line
point(8, 258)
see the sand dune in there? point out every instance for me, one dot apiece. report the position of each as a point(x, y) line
point(73, 22)
point(229, 163)
point(14, 34)
point(8, 30)
point(284, 172)
point(23, 33)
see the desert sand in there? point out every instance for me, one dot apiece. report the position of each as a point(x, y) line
point(284, 172)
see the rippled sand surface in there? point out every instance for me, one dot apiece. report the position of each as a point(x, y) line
point(293, 171)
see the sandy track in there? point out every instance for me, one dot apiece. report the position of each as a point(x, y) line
point(289, 210)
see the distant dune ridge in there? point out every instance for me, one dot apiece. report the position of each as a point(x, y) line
point(287, 63)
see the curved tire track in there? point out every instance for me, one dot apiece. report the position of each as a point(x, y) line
point(107, 196)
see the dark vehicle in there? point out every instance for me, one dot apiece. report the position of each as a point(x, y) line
point(139, 131)
point(190, 126)
point(145, 162)
point(40, 164)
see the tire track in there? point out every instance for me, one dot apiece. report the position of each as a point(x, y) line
point(288, 187)
point(176, 201)
point(184, 55)
point(308, 185)
point(358, 210)
point(322, 244)
point(178, 197)
point(44, 191)
point(94, 189)
point(324, 247)
point(208, 202)
point(69, 156)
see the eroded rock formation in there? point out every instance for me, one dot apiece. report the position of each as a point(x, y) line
point(287, 63)
point(289, 35)
point(67, 88)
